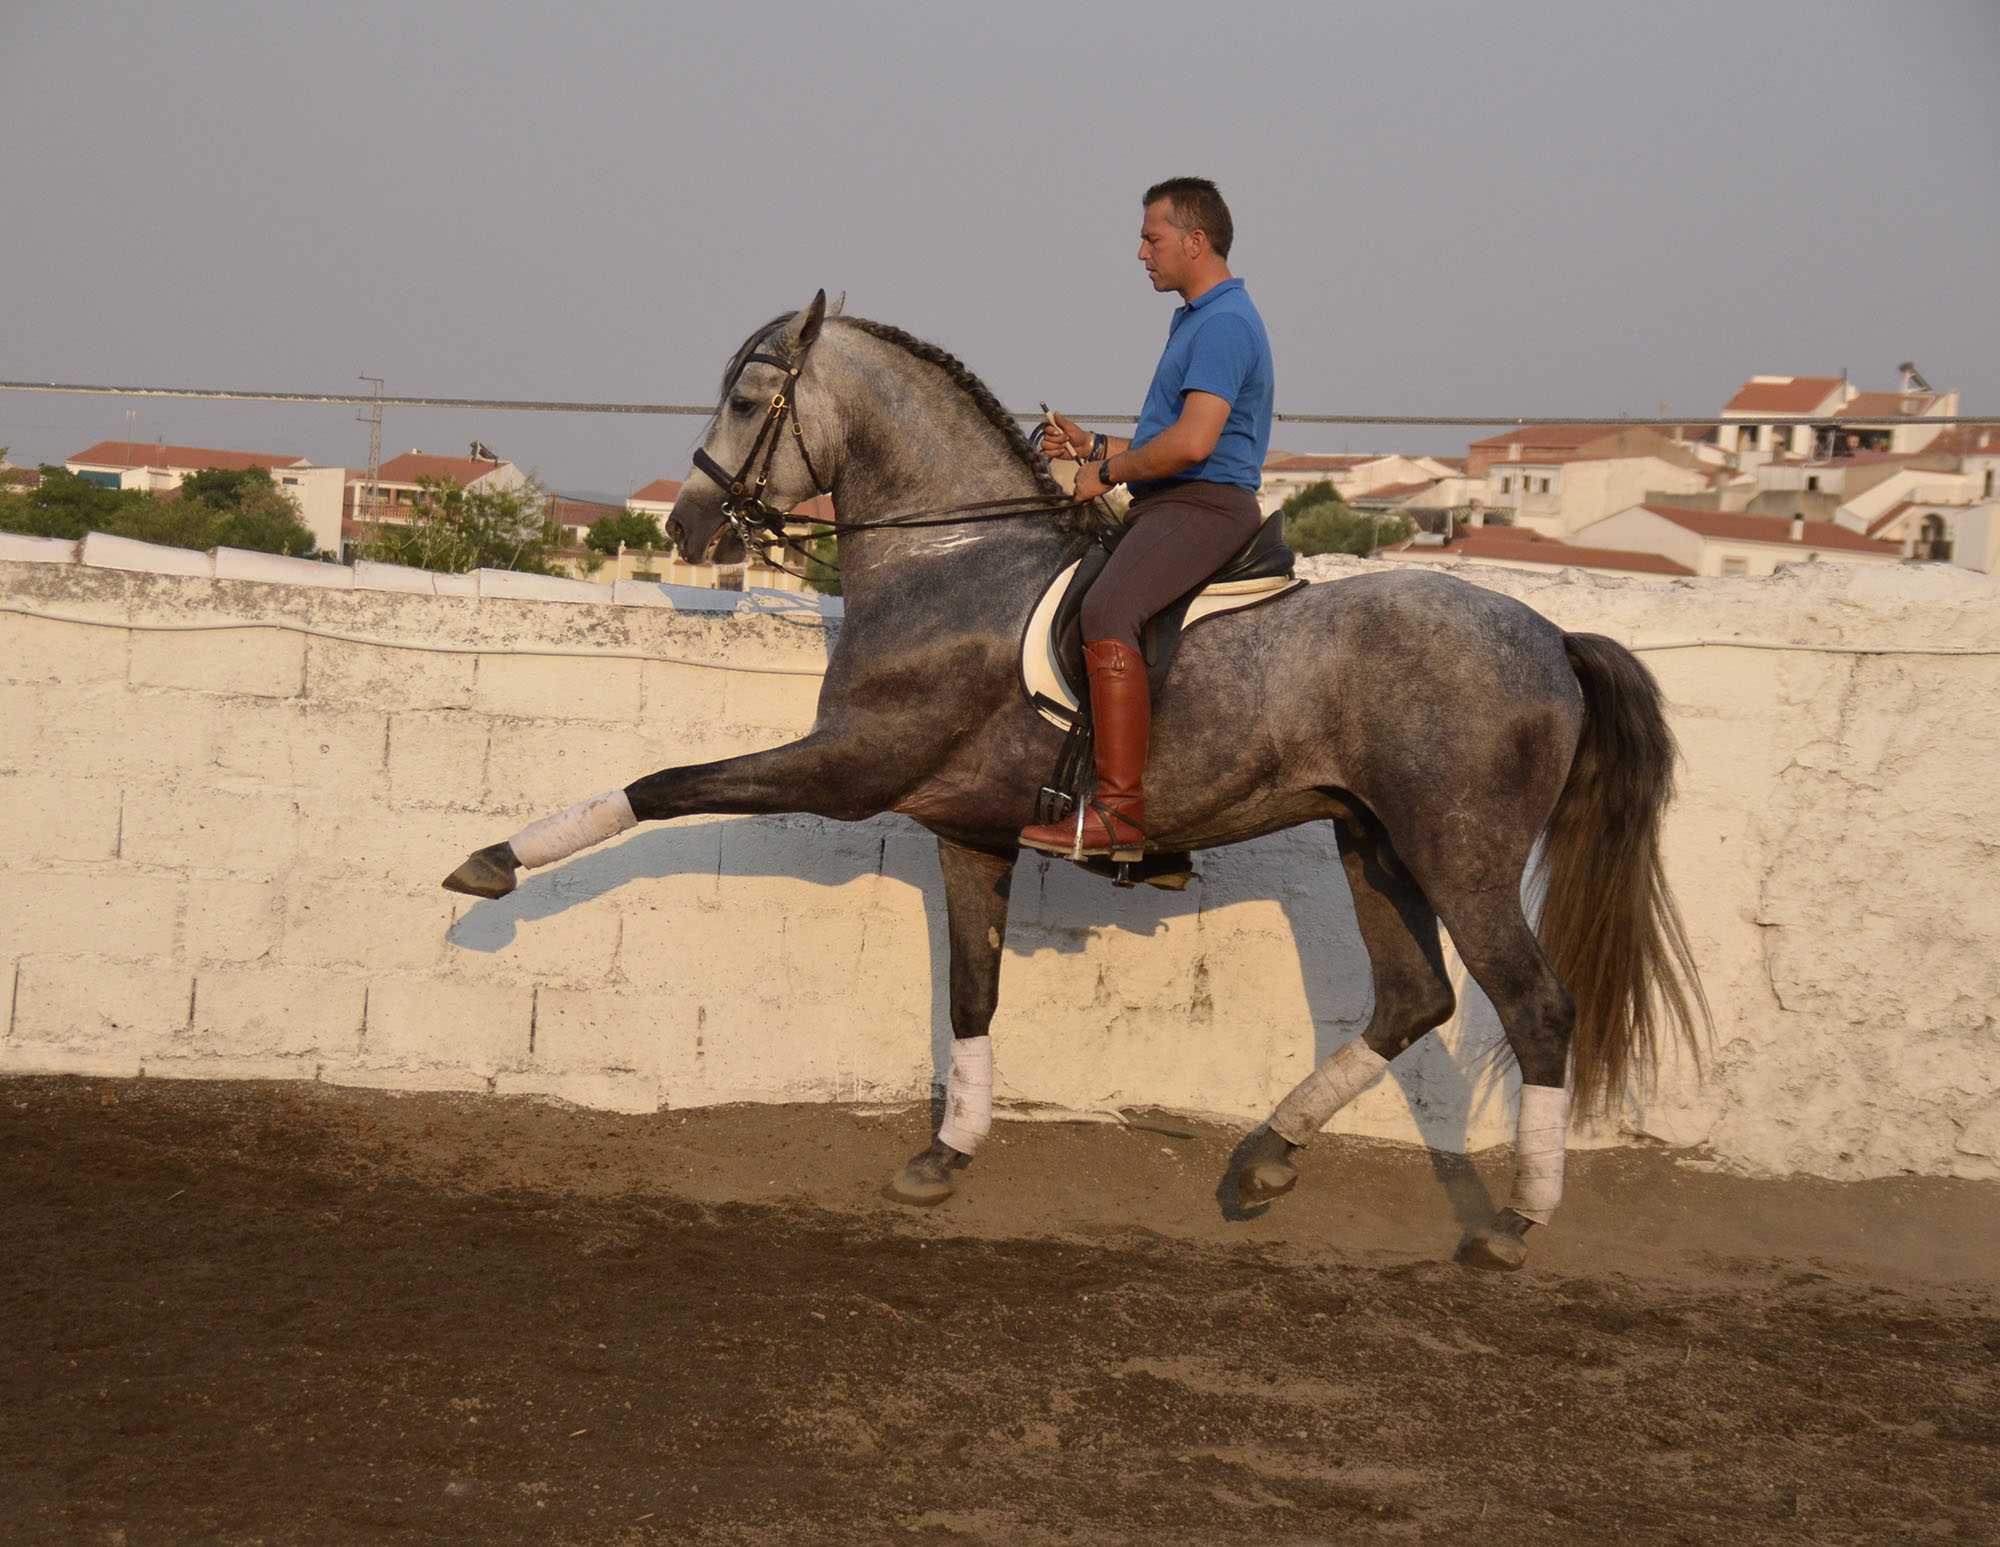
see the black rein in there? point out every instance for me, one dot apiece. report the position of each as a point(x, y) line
point(760, 527)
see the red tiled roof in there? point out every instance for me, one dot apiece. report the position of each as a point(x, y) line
point(569, 512)
point(1885, 405)
point(1519, 545)
point(1456, 464)
point(1553, 436)
point(1966, 440)
point(1740, 527)
point(1868, 458)
point(1793, 395)
point(663, 490)
point(1314, 463)
point(412, 465)
point(193, 459)
point(1889, 517)
point(1397, 491)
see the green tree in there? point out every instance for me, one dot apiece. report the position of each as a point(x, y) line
point(822, 546)
point(64, 505)
point(635, 529)
point(242, 509)
point(1318, 520)
point(213, 509)
point(454, 529)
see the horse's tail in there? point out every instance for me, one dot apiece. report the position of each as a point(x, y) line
point(1609, 925)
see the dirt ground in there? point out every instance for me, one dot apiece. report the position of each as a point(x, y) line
point(293, 1314)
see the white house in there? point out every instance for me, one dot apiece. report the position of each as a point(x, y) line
point(400, 486)
point(655, 500)
point(1351, 474)
point(1557, 479)
point(137, 464)
point(1717, 542)
point(1513, 547)
point(1845, 419)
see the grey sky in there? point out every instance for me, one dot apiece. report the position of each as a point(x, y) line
point(1441, 208)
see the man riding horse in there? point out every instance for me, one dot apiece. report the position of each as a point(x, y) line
point(1193, 464)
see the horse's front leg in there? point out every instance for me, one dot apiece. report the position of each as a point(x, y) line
point(977, 883)
point(822, 774)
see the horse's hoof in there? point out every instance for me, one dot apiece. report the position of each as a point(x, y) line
point(488, 873)
point(1267, 1171)
point(926, 1180)
point(1499, 1247)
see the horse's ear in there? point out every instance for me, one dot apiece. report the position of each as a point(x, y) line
point(809, 321)
point(839, 305)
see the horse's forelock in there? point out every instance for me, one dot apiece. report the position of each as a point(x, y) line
point(746, 349)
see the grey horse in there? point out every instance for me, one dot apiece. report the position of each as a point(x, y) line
point(1499, 730)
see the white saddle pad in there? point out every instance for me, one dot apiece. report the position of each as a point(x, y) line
point(1042, 675)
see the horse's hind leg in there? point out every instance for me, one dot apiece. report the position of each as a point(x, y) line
point(1412, 995)
point(977, 884)
point(1504, 957)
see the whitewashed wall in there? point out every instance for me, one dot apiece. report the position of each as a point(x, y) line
point(224, 846)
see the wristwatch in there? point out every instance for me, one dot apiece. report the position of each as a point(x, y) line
point(1104, 474)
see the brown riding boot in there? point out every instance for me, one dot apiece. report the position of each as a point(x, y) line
point(1121, 712)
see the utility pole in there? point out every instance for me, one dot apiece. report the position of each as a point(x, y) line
point(371, 492)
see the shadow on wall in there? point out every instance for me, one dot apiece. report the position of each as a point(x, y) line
point(1446, 1083)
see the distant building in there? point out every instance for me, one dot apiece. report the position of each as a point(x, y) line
point(1845, 420)
point(1557, 479)
point(400, 486)
point(1716, 542)
point(135, 464)
point(1352, 475)
point(1521, 548)
point(577, 517)
point(655, 500)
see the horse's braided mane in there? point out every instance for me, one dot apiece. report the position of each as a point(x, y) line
point(1076, 522)
point(981, 395)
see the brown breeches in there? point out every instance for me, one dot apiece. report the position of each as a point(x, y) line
point(1174, 540)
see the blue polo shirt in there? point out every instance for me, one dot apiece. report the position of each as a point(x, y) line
point(1216, 343)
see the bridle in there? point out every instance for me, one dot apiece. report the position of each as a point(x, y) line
point(755, 523)
point(761, 528)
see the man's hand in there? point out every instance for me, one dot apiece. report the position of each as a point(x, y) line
point(1065, 438)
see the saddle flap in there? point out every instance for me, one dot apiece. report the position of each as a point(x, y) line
point(1052, 673)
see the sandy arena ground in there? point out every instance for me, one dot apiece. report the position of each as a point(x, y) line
point(242, 1314)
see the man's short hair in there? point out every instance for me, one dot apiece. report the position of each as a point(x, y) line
point(1197, 207)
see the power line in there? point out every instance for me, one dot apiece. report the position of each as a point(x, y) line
point(704, 410)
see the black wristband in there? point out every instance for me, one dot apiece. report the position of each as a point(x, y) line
point(1097, 448)
point(1104, 474)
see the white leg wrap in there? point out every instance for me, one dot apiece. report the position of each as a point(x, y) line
point(968, 1094)
point(1538, 1152)
point(1351, 1069)
point(585, 823)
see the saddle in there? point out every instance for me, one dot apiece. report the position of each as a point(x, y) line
point(1053, 677)
point(1052, 672)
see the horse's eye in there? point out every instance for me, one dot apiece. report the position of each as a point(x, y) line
point(741, 405)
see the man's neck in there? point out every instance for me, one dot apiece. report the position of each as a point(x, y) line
point(1206, 280)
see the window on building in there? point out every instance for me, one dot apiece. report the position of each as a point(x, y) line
point(1734, 566)
point(1812, 483)
point(1781, 437)
point(1543, 486)
point(1988, 494)
point(1749, 440)
point(1506, 486)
